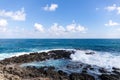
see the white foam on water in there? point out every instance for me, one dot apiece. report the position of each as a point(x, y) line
point(47, 50)
point(101, 59)
point(20, 53)
point(8, 55)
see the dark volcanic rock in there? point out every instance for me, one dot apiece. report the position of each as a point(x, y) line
point(32, 73)
point(51, 73)
point(62, 73)
point(90, 53)
point(110, 77)
point(78, 76)
point(102, 70)
point(10, 68)
point(55, 54)
point(116, 70)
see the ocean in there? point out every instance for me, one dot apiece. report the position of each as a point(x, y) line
point(107, 50)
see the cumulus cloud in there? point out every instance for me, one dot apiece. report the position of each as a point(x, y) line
point(111, 23)
point(57, 29)
point(114, 7)
point(52, 7)
point(54, 31)
point(19, 15)
point(3, 24)
point(111, 8)
point(39, 27)
point(75, 28)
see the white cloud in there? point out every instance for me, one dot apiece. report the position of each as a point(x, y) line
point(71, 28)
point(52, 7)
point(111, 8)
point(39, 27)
point(3, 24)
point(81, 28)
point(111, 23)
point(118, 9)
point(57, 29)
point(54, 31)
point(75, 28)
point(114, 7)
point(19, 15)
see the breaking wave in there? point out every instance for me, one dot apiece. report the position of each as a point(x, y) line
point(101, 59)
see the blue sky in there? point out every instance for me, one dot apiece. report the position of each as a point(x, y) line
point(60, 19)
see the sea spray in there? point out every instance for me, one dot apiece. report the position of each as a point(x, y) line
point(101, 59)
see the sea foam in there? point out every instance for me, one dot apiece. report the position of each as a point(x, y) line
point(101, 59)
point(8, 55)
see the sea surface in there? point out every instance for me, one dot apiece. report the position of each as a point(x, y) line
point(107, 50)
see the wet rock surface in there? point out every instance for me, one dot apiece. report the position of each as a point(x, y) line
point(78, 76)
point(110, 77)
point(55, 54)
point(10, 69)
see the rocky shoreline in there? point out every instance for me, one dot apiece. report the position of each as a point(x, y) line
point(10, 69)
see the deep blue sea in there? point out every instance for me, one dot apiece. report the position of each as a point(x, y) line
point(107, 50)
point(31, 45)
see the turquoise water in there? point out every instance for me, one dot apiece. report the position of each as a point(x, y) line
point(58, 63)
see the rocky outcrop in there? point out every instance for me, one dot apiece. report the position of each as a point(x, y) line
point(5, 75)
point(10, 69)
point(90, 53)
point(55, 54)
point(110, 77)
point(78, 76)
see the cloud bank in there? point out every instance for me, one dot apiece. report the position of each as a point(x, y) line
point(57, 29)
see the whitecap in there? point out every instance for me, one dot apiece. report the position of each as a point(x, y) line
point(101, 59)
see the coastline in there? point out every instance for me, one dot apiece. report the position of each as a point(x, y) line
point(10, 68)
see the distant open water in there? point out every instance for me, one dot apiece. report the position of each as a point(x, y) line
point(107, 50)
point(31, 45)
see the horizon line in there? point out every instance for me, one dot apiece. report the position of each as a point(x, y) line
point(59, 38)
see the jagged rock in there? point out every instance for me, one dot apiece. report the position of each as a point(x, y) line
point(116, 70)
point(90, 53)
point(110, 77)
point(55, 54)
point(62, 73)
point(10, 69)
point(102, 70)
point(78, 76)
